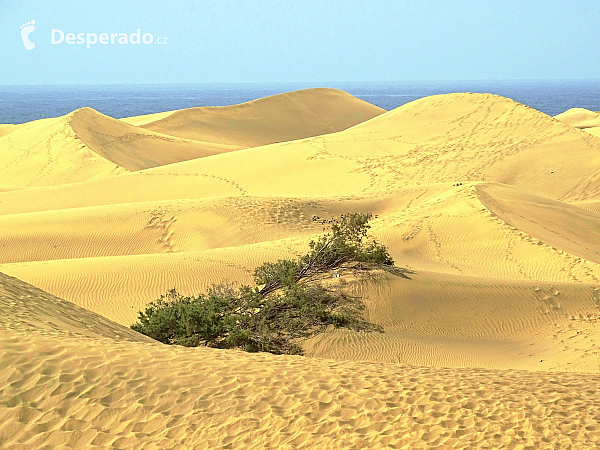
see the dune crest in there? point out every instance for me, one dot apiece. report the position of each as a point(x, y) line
point(48, 152)
point(86, 145)
point(580, 118)
point(135, 148)
point(439, 139)
point(278, 118)
point(27, 309)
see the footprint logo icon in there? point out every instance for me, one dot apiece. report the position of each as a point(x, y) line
point(26, 30)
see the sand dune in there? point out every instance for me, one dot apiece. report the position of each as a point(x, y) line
point(439, 139)
point(587, 120)
point(443, 320)
point(146, 118)
point(70, 378)
point(7, 129)
point(83, 392)
point(571, 229)
point(279, 118)
point(27, 309)
point(86, 145)
point(493, 340)
point(48, 152)
point(472, 237)
point(580, 118)
point(134, 148)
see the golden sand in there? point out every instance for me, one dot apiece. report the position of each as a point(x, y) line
point(580, 118)
point(86, 145)
point(279, 118)
point(493, 341)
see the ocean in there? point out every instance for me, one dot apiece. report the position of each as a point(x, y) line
point(19, 104)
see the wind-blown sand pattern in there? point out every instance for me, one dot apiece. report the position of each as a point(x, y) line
point(492, 342)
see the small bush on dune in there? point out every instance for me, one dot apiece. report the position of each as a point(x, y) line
point(344, 244)
point(286, 305)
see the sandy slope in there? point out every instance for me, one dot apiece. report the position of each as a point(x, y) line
point(73, 379)
point(446, 138)
point(7, 129)
point(492, 205)
point(593, 131)
point(134, 148)
point(48, 152)
point(571, 229)
point(124, 395)
point(444, 320)
point(490, 241)
point(580, 118)
point(86, 145)
point(27, 309)
point(279, 118)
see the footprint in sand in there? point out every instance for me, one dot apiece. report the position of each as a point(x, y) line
point(26, 30)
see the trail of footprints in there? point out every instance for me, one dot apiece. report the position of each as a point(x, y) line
point(388, 171)
point(163, 219)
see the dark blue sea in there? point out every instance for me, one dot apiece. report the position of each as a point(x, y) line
point(20, 104)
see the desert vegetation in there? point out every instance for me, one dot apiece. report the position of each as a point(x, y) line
point(288, 302)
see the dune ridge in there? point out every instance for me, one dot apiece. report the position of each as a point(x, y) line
point(580, 118)
point(278, 118)
point(439, 139)
point(48, 152)
point(133, 148)
point(86, 145)
point(27, 309)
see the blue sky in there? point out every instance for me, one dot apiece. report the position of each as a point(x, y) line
point(265, 41)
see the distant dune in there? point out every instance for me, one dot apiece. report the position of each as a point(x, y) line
point(587, 120)
point(493, 207)
point(279, 118)
point(48, 152)
point(439, 139)
point(580, 118)
point(86, 145)
point(134, 148)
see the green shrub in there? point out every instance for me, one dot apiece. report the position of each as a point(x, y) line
point(344, 244)
point(287, 305)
